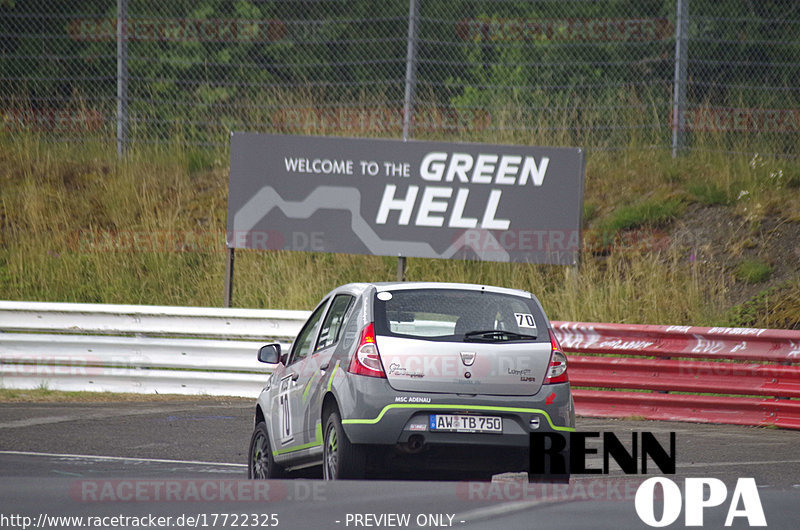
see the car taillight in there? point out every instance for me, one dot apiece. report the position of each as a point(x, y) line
point(557, 371)
point(367, 360)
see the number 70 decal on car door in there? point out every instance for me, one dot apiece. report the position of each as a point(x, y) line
point(285, 411)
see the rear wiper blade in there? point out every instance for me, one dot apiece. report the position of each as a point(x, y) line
point(496, 335)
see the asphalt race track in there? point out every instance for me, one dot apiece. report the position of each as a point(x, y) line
point(181, 465)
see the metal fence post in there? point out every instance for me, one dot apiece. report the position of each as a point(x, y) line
point(408, 99)
point(679, 82)
point(122, 75)
point(411, 68)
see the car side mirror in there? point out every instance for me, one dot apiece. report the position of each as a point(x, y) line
point(270, 354)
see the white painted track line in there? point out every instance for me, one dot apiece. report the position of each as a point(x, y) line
point(122, 458)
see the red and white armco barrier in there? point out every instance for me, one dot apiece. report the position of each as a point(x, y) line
point(720, 375)
point(716, 375)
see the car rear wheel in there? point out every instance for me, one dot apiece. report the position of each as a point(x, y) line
point(341, 459)
point(261, 464)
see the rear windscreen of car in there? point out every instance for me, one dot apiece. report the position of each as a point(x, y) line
point(450, 314)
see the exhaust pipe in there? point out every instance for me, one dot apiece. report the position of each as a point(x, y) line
point(415, 444)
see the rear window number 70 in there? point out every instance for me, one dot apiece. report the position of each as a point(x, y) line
point(525, 320)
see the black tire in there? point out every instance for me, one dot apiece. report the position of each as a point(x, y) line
point(261, 464)
point(341, 459)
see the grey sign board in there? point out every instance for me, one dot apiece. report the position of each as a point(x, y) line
point(414, 198)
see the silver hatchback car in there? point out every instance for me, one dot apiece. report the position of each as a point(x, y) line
point(412, 376)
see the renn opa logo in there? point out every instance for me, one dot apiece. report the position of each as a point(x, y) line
point(554, 454)
point(744, 503)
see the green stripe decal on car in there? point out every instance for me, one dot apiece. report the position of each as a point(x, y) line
point(333, 373)
point(294, 448)
point(471, 408)
point(308, 386)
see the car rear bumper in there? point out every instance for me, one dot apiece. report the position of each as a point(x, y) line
point(383, 416)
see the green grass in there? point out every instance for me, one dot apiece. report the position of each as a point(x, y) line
point(589, 211)
point(753, 271)
point(709, 194)
point(776, 307)
point(652, 212)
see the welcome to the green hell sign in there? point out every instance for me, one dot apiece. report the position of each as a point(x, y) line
point(438, 206)
point(413, 199)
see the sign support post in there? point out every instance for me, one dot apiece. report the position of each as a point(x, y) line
point(229, 276)
point(401, 268)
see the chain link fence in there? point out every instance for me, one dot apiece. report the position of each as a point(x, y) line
point(602, 74)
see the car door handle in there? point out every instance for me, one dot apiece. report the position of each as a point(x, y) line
point(324, 366)
point(295, 375)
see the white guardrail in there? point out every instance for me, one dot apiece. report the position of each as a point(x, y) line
point(139, 349)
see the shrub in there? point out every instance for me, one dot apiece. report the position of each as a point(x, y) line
point(753, 271)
